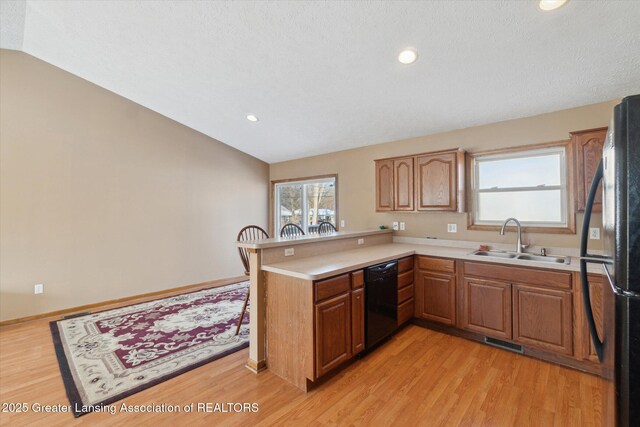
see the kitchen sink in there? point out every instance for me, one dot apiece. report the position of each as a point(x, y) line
point(522, 257)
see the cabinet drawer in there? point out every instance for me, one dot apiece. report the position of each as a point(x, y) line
point(436, 264)
point(405, 279)
point(554, 279)
point(331, 287)
point(405, 264)
point(405, 293)
point(405, 311)
point(357, 279)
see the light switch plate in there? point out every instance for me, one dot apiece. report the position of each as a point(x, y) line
point(289, 251)
point(395, 225)
point(594, 233)
point(452, 228)
point(38, 288)
point(402, 226)
point(341, 223)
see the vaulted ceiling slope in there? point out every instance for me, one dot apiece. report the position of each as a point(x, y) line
point(323, 76)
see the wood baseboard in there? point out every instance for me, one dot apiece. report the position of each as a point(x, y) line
point(120, 301)
point(256, 367)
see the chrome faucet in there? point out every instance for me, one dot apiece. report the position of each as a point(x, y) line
point(519, 244)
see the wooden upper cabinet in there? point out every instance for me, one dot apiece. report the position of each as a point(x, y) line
point(423, 182)
point(384, 185)
point(588, 146)
point(403, 184)
point(437, 185)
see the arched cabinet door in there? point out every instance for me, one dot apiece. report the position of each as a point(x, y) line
point(384, 185)
point(437, 183)
point(403, 184)
point(588, 146)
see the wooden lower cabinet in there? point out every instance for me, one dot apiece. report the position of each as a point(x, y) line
point(333, 333)
point(405, 290)
point(599, 298)
point(357, 321)
point(487, 307)
point(436, 297)
point(543, 318)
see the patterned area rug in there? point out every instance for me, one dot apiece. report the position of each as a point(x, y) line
point(109, 355)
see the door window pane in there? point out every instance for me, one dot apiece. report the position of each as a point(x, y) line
point(290, 206)
point(321, 204)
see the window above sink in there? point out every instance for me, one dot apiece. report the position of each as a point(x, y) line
point(530, 183)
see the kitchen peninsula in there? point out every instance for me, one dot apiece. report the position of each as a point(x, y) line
point(307, 300)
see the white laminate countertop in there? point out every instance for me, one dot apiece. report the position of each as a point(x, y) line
point(323, 266)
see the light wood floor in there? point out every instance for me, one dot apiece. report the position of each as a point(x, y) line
point(419, 377)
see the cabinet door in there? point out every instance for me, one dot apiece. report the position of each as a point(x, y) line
point(435, 296)
point(588, 145)
point(436, 182)
point(357, 321)
point(487, 307)
point(542, 318)
point(384, 185)
point(333, 333)
point(403, 184)
point(597, 293)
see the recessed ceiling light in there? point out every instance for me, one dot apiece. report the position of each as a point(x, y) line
point(252, 118)
point(548, 5)
point(408, 55)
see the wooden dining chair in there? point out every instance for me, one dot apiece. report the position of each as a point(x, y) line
point(250, 232)
point(291, 230)
point(326, 227)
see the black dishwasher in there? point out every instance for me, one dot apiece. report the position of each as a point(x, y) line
point(381, 300)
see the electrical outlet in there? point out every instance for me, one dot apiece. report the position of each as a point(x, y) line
point(38, 288)
point(452, 228)
point(361, 241)
point(402, 226)
point(289, 251)
point(341, 223)
point(594, 233)
point(395, 225)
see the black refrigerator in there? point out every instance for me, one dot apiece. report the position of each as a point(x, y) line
point(619, 345)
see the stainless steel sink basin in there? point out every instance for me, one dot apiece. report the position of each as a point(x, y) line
point(551, 259)
point(494, 254)
point(523, 257)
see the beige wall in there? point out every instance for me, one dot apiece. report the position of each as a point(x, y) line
point(356, 172)
point(101, 198)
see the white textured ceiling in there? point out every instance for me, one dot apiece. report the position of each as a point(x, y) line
point(323, 76)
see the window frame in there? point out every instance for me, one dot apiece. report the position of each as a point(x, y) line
point(567, 189)
point(273, 230)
